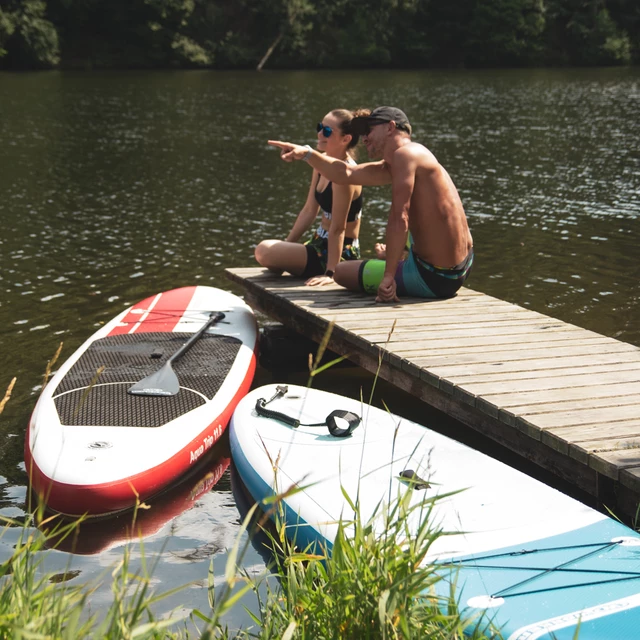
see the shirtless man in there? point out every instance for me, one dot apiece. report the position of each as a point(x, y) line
point(424, 202)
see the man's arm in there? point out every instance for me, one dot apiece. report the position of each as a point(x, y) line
point(369, 174)
point(404, 175)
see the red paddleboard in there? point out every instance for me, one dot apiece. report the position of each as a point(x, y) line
point(93, 447)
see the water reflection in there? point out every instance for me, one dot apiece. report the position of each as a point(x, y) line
point(174, 539)
point(99, 534)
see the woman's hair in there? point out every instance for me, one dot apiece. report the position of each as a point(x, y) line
point(345, 117)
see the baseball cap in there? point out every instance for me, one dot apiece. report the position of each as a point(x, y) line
point(381, 114)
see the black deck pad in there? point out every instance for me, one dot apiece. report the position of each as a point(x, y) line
point(130, 358)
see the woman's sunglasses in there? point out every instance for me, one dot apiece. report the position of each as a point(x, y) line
point(326, 131)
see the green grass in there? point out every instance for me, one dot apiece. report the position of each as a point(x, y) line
point(374, 583)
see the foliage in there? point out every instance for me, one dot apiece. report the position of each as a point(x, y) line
point(319, 33)
point(582, 32)
point(32, 40)
point(506, 33)
point(7, 27)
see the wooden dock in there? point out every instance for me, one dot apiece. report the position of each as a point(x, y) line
point(566, 398)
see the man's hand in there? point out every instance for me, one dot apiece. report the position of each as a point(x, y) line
point(289, 151)
point(387, 290)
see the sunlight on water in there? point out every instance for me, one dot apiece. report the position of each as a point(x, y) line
point(115, 186)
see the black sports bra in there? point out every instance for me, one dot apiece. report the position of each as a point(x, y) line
point(325, 200)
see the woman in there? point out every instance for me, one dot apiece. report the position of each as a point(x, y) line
point(336, 238)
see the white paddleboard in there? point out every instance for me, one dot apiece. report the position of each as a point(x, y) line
point(535, 561)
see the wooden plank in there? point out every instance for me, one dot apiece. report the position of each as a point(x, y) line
point(602, 437)
point(462, 313)
point(536, 384)
point(263, 277)
point(381, 319)
point(548, 364)
point(585, 416)
point(475, 344)
point(607, 433)
point(353, 303)
point(514, 400)
point(432, 349)
point(428, 331)
point(610, 463)
point(573, 405)
point(583, 452)
point(630, 477)
point(509, 376)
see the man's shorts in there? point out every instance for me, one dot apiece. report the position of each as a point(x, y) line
point(416, 277)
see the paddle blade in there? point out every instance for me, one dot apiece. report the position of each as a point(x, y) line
point(163, 382)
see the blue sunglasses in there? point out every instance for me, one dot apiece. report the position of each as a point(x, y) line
point(326, 131)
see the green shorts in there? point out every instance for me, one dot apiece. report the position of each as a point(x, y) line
point(416, 277)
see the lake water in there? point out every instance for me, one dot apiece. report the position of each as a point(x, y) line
point(114, 186)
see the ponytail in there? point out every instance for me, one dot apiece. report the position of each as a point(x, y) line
point(345, 118)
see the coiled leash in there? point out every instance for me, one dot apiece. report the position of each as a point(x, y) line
point(335, 430)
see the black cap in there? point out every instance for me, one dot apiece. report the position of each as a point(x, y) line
point(381, 114)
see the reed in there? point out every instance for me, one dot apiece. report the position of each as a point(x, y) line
point(374, 582)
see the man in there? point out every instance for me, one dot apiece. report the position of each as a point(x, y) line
point(424, 202)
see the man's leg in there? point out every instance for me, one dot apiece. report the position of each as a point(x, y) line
point(346, 274)
point(360, 275)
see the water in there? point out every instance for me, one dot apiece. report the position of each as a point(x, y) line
point(114, 186)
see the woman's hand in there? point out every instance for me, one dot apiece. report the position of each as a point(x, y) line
point(319, 281)
point(380, 250)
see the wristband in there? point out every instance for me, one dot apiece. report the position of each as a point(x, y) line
point(329, 273)
point(307, 155)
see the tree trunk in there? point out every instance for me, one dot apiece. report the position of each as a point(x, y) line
point(270, 50)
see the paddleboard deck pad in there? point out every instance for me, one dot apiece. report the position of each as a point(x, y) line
point(92, 447)
point(533, 562)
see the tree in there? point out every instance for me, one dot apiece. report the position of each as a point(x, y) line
point(505, 33)
point(33, 42)
point(294, 23)
point(583, 33)
point(7, 27)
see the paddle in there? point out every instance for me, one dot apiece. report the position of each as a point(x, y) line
point(164, 382)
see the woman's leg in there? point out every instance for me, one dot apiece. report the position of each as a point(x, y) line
point(279, 256)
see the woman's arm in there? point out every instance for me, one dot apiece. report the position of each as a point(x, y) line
point(308, 212)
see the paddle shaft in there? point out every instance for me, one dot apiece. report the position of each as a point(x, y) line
point(164, 382)
point(215, 317)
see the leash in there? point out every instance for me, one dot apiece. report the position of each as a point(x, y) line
point(331, 421)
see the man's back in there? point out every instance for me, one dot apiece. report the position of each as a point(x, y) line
point(437, 220)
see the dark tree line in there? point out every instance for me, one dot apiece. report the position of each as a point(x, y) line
point(37, 34)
